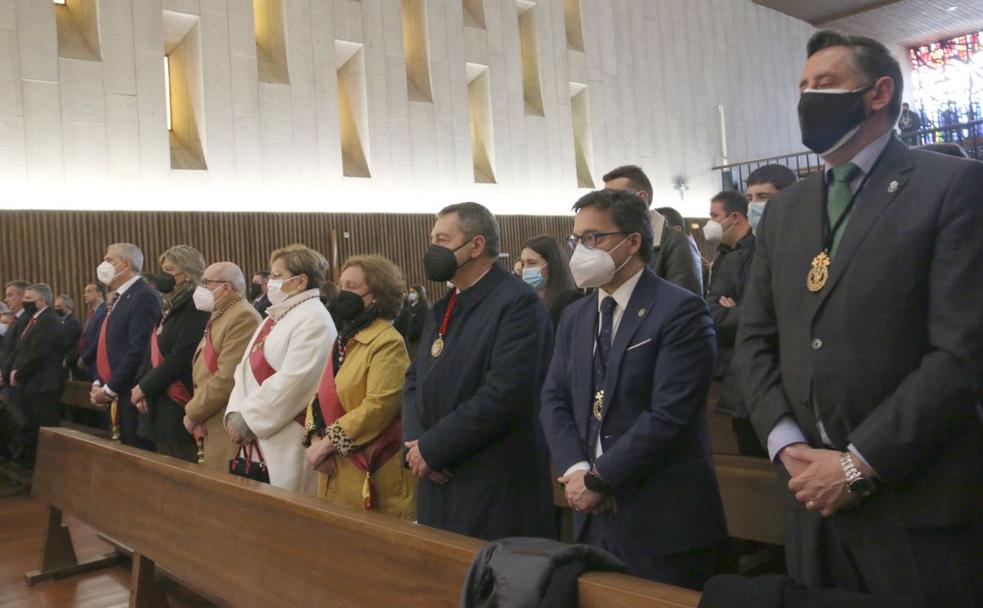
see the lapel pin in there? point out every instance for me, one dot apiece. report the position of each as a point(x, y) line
point(641, 312)
point(892, 187)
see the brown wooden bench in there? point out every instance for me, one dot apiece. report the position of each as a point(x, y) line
point(242, 543)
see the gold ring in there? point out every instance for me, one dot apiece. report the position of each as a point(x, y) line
point(811, 505)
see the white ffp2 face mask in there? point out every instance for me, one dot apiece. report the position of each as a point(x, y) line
point(594, 267)
point(204, 299)
point(274, 290)
point(713, 231)
point(754, 211)
point(105, 272)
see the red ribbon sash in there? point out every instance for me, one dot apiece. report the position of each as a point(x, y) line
point(102, 353)
point(367, 459)
point(261, 368)
point(176, 391)
point(211, 355)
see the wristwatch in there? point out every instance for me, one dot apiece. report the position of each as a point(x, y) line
point(856, 483)
point(594, 483)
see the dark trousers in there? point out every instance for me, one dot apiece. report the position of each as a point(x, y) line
point(857, 550)
point(689, 569)
point(40, 409)
point(129, 419)
point(748, 443)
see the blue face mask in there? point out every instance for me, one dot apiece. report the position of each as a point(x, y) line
point(533, 276)
point(754, 211)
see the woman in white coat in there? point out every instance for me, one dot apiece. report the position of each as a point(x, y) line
point(281, 367)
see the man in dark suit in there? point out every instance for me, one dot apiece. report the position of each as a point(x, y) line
point(257, 292)
point(94, 296)
point(675, 257)
point(863, 373)
point(624, 404)
point(14, 297)
point(36, 369)
point(729, 227)
point(71, 332)
point(472, 393)
point(12, 419)
point(124, 336)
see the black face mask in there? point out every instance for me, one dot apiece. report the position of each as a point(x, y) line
point(826, 119)
point(61, 312)
point(255, 290)
point(163, 282)
point(440, 264)
point(348, 306)
point(29, 307)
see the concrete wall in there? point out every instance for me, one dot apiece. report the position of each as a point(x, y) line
point(79, 134)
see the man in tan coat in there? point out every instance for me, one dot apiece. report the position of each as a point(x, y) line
point(231, 326)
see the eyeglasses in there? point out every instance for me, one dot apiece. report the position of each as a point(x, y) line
point(207, 282)
point(589, 240)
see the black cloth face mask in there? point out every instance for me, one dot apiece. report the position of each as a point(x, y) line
point(348, 306)
point(828, 118)
point(163, 282)
point(29, 307)
point(255, 290)
point(440, 263)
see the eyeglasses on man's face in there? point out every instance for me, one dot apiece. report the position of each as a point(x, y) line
point(589, 239)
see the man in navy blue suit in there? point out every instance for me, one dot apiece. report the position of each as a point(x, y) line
point(624, 404)
point(94, 296)
point(124, 336)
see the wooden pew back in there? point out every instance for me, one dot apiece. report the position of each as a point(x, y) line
point(747, 488)
point(249, 544)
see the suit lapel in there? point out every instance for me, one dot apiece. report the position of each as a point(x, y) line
point(887, 181)
point(639, 306)
point(583, 365)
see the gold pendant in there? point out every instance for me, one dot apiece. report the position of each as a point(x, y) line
point(819, 273)
point(598, 405)
point(437, 348)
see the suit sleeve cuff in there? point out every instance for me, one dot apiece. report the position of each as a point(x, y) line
point(783, 434)
point(856, 454)
point(583, 465)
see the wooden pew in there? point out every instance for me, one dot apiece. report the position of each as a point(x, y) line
point(747, 488)
point(243, 543)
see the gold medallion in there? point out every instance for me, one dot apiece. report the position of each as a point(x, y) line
point(437, 348)
point(819, 273)
point(598, 405)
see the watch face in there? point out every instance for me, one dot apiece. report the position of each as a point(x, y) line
point(862, 487)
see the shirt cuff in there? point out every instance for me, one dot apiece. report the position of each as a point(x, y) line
point(583, 465)
point(109, 391)
point(783, 434)
point(853, 450)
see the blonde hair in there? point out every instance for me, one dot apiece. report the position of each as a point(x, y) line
point(186, 258)
point(385, 282)
point(300, 259)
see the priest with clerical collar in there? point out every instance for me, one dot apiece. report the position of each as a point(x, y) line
point(472, 394)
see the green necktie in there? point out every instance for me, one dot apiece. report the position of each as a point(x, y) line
point(838, 199)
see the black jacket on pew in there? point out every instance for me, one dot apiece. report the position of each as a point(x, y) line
point(474, 411)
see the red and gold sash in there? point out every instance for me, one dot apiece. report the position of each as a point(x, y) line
point(211, 355)
point(178, 393)
point(261, 368)
point(102, 353)
point(371, 457)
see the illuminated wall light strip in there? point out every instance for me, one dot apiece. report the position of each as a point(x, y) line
point(167, 91)
point(61, 2)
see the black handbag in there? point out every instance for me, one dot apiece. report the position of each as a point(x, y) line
point(242, 463)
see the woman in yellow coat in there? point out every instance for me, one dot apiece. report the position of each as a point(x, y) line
point(353, 423)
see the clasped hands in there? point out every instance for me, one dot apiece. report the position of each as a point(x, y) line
point(419, 466)
point(817, 478)
point(321, 456)
point(580, 498)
